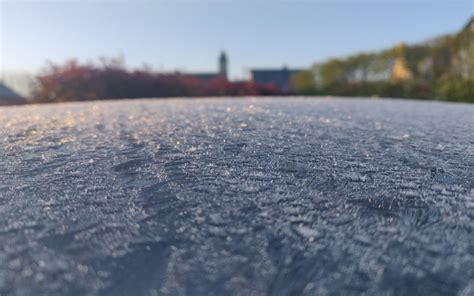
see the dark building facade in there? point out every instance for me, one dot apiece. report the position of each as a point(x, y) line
point(280, 78)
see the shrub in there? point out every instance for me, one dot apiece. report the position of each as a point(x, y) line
point(84, 82)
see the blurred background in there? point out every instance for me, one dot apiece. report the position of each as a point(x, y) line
point(92, 50)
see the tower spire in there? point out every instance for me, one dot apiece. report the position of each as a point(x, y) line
point(223, 64)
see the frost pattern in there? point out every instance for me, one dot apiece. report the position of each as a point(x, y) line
point(244, 197)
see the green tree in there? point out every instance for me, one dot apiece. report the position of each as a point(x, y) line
point(303, 83)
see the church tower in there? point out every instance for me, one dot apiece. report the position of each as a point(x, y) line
point(223, 65)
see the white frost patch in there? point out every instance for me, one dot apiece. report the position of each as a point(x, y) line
point(307, 232)
point(410, 193)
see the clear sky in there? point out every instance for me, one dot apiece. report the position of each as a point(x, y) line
point(188, 35)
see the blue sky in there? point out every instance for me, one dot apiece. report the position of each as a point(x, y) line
point(188, 35)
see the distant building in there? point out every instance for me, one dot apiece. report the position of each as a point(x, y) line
point(9, 97)
point(221, 73)
point(280, 78)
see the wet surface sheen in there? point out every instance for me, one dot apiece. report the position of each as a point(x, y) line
point(240, 197)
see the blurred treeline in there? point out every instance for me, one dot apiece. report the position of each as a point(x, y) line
point(441, 69)
point(109, 79)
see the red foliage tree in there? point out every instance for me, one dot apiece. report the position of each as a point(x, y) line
point(110, 80)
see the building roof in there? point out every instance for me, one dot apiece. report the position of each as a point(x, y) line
point(9, 97)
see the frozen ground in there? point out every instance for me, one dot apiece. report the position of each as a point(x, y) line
point(240, 197)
